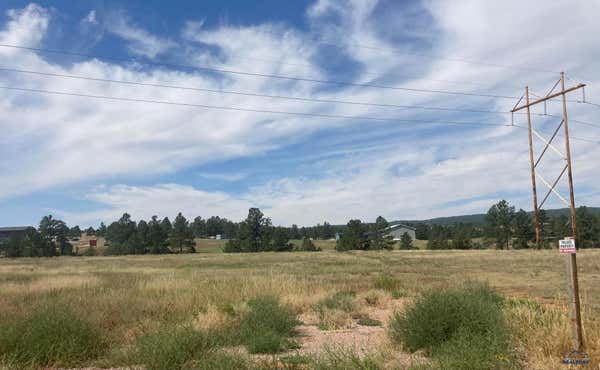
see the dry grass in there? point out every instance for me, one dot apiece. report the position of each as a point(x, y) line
point(125, 297)
point(48, 284)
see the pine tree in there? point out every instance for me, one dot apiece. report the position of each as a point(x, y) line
point(181, 236)
point(378, 238)
point(499, 220)
point(157, 237)
point(254, 234)
point(353, 237)
point(406, 242)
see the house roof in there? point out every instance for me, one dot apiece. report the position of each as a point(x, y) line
point(395, 226)
point(14, 228)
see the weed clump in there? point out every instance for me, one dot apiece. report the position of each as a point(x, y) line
point(219, 360)
point(462, 328)
point(52, 336)
point(343, 301)
point(268, 326)
point(335, 312)
point(389, 284)
point(172, 347)
point(342, 359)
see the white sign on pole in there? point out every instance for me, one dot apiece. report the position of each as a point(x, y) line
point(567, 246)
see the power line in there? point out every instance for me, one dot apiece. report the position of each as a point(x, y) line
point(284, 97)
point(570, 136)
point(230, 108)
point(232, 92)
point(264, 75)
point(590, 103)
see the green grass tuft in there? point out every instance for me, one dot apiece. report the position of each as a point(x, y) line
point(172, 347)
point(343, 359)
point(388, 283)
point(268, 326)
point(51, 336)
point(219, 360)
point(463, 328)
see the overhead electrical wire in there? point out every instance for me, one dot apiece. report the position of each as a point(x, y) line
point(232, 92)
point(571, 137)
point(265, 75)
point(284, 97)
point(590, 103)
point(304, 114)
point(231, 108)
point(295, 78)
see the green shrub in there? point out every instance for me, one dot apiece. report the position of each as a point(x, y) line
point(172, 347)
point(461, 328)
point(467, 351)
point(267, 326)
point(52, 336)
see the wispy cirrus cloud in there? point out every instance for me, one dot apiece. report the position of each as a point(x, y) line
point(141, 42)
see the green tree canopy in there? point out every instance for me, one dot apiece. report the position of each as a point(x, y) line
point(378, 238)
point(500, 218)
point(353, 237)
point(181, 236)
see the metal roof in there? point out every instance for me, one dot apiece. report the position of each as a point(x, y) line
point(14, 228)
point(394, 226)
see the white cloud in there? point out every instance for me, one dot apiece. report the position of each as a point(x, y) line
point(26, 26)
point(141, 42)
point(223, 176)
point(423, 171)
point(143, 202)
point(91, 17)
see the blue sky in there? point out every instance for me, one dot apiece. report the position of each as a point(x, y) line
point(89, 160)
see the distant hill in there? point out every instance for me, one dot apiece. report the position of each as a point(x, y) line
point(480, 217)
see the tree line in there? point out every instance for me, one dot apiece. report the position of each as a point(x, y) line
point(504, 228)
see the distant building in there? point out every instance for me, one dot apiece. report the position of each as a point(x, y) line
point(397, 230)
point(8, 232)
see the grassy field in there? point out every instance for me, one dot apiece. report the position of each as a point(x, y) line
point(215, 246)
point(125, 298)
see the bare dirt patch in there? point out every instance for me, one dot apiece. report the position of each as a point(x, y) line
point(360, 339)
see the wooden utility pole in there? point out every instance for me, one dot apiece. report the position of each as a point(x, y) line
point(536, 213)
point(572, 270)
point(571, 258)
